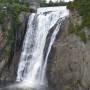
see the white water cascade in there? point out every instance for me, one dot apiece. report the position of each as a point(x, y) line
point(42, 29)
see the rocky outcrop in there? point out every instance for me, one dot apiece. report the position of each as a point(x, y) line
point(69, 62)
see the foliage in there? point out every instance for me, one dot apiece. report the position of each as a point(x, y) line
point(2, 15)
point(83, 7)
point(44, 4)
point(77, 30)
point(11, 9)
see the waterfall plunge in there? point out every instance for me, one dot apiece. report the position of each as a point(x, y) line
point(33, 62)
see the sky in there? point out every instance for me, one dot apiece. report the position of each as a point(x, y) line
point(59, 0)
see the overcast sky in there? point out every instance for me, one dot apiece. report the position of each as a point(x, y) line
point(59, 0)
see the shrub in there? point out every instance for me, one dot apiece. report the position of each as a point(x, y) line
point(83, 7)
point(77, 31)
point(83, 36)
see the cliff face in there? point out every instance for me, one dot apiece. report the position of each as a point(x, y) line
point(69, 61)
point(10, 46)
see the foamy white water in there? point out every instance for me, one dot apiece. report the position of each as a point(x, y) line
point(33, 62)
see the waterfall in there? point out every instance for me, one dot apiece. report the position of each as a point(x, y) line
point(42, 29)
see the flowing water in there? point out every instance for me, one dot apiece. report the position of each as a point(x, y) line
point(42, 29)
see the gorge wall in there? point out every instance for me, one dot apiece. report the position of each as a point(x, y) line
point(10, 46)
point(68, 63)
point(69, 60)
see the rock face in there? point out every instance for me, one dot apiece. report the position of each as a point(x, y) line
point(10, 53)
point(69, 62)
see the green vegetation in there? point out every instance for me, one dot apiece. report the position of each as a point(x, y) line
point(2, 15)
point(44, 4)
point(76, 29)
point(11, 9)
point(83, 8)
